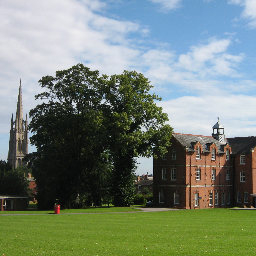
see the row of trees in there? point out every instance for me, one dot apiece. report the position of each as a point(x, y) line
point(88, 131)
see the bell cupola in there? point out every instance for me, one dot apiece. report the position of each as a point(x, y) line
point(218, 132)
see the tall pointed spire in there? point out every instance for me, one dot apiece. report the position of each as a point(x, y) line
point(18, 144)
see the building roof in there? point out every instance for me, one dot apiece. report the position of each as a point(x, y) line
point(242, 145)
point(189, 140)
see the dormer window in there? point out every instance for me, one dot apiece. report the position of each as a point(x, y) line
point(198, 153)
point(242, 159)
point(213, 154)
point(174, 154)
point(227, 154)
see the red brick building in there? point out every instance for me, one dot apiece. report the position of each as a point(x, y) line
point(206, 172)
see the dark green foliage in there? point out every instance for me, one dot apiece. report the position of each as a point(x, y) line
point(13, 181)
point(88, 132)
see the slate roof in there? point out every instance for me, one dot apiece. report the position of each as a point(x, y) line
point(242, 145)
point(189, 140)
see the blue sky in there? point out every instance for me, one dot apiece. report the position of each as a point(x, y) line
point(199, 55)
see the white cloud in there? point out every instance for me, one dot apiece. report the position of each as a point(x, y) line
point(249, 11)
point(167, 4)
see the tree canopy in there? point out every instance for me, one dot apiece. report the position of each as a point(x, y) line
point(88, 132)
point(13, 181)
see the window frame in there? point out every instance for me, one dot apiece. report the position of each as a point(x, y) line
point(216, 198)
point(164, 174)
point(213, 174)
point(176, 198)
point(173, 173)
point(242, 159)
point(210, 199)
point(196, 199)
point(228, 174)
point(246, 197)
point(198, 153)
point(174, 154)
point(213, 154)
point(242, 176)
point(227, 154)
point(238, 197)
point(198, 174)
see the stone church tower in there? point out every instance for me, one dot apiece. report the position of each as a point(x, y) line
point(18, 144)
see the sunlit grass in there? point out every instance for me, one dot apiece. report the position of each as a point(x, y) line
point(184, 232)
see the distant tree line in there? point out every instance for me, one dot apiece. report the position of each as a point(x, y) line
point(88, 131)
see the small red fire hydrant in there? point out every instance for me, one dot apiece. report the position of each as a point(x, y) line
point(57, 209)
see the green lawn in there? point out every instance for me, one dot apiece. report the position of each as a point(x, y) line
point(184, 232)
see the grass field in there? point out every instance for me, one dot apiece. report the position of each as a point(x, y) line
point(184, 232)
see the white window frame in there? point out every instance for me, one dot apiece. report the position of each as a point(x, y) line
point(196, 199)
point(164, 174)
point(198, 153)
point(176, 198)
point(228, 174)
point(210, 199)
point(173, 173)
point(242, 159)
point(216, 198)
point(198, 174)
point(213, 154)
point(242, 176)
point(213, 174)
point(246, 197)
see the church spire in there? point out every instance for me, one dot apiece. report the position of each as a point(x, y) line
point(18, 143)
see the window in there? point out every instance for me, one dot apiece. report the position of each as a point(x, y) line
point(161, 196)
point(139, 187)
point(228, 174)
point(196, 199)
point(213, 174)
point(164, 157)
point(238, 197)
point(228, 197)
point(210, 199)
point(198, 174)
point(227, 154)
point(246, 197)
point(164, 174)
point(176, 198)
point(216, 198)
point(198, 153)
point(242, 159)
point(174, 155)
point(242, 176)
point(223, 198)
point(213, 154)
point(173, 174)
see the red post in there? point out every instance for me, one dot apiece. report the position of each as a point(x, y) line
point(57, 209)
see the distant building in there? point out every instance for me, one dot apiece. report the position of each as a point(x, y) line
point(144, 182)
point(206, 172)
point(18, 143)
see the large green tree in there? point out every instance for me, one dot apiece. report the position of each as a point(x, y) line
point(88, 132)
point(135, 125)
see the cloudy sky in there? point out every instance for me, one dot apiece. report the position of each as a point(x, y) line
point(199, 55)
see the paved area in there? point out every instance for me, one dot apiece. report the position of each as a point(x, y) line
point(151, 209)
